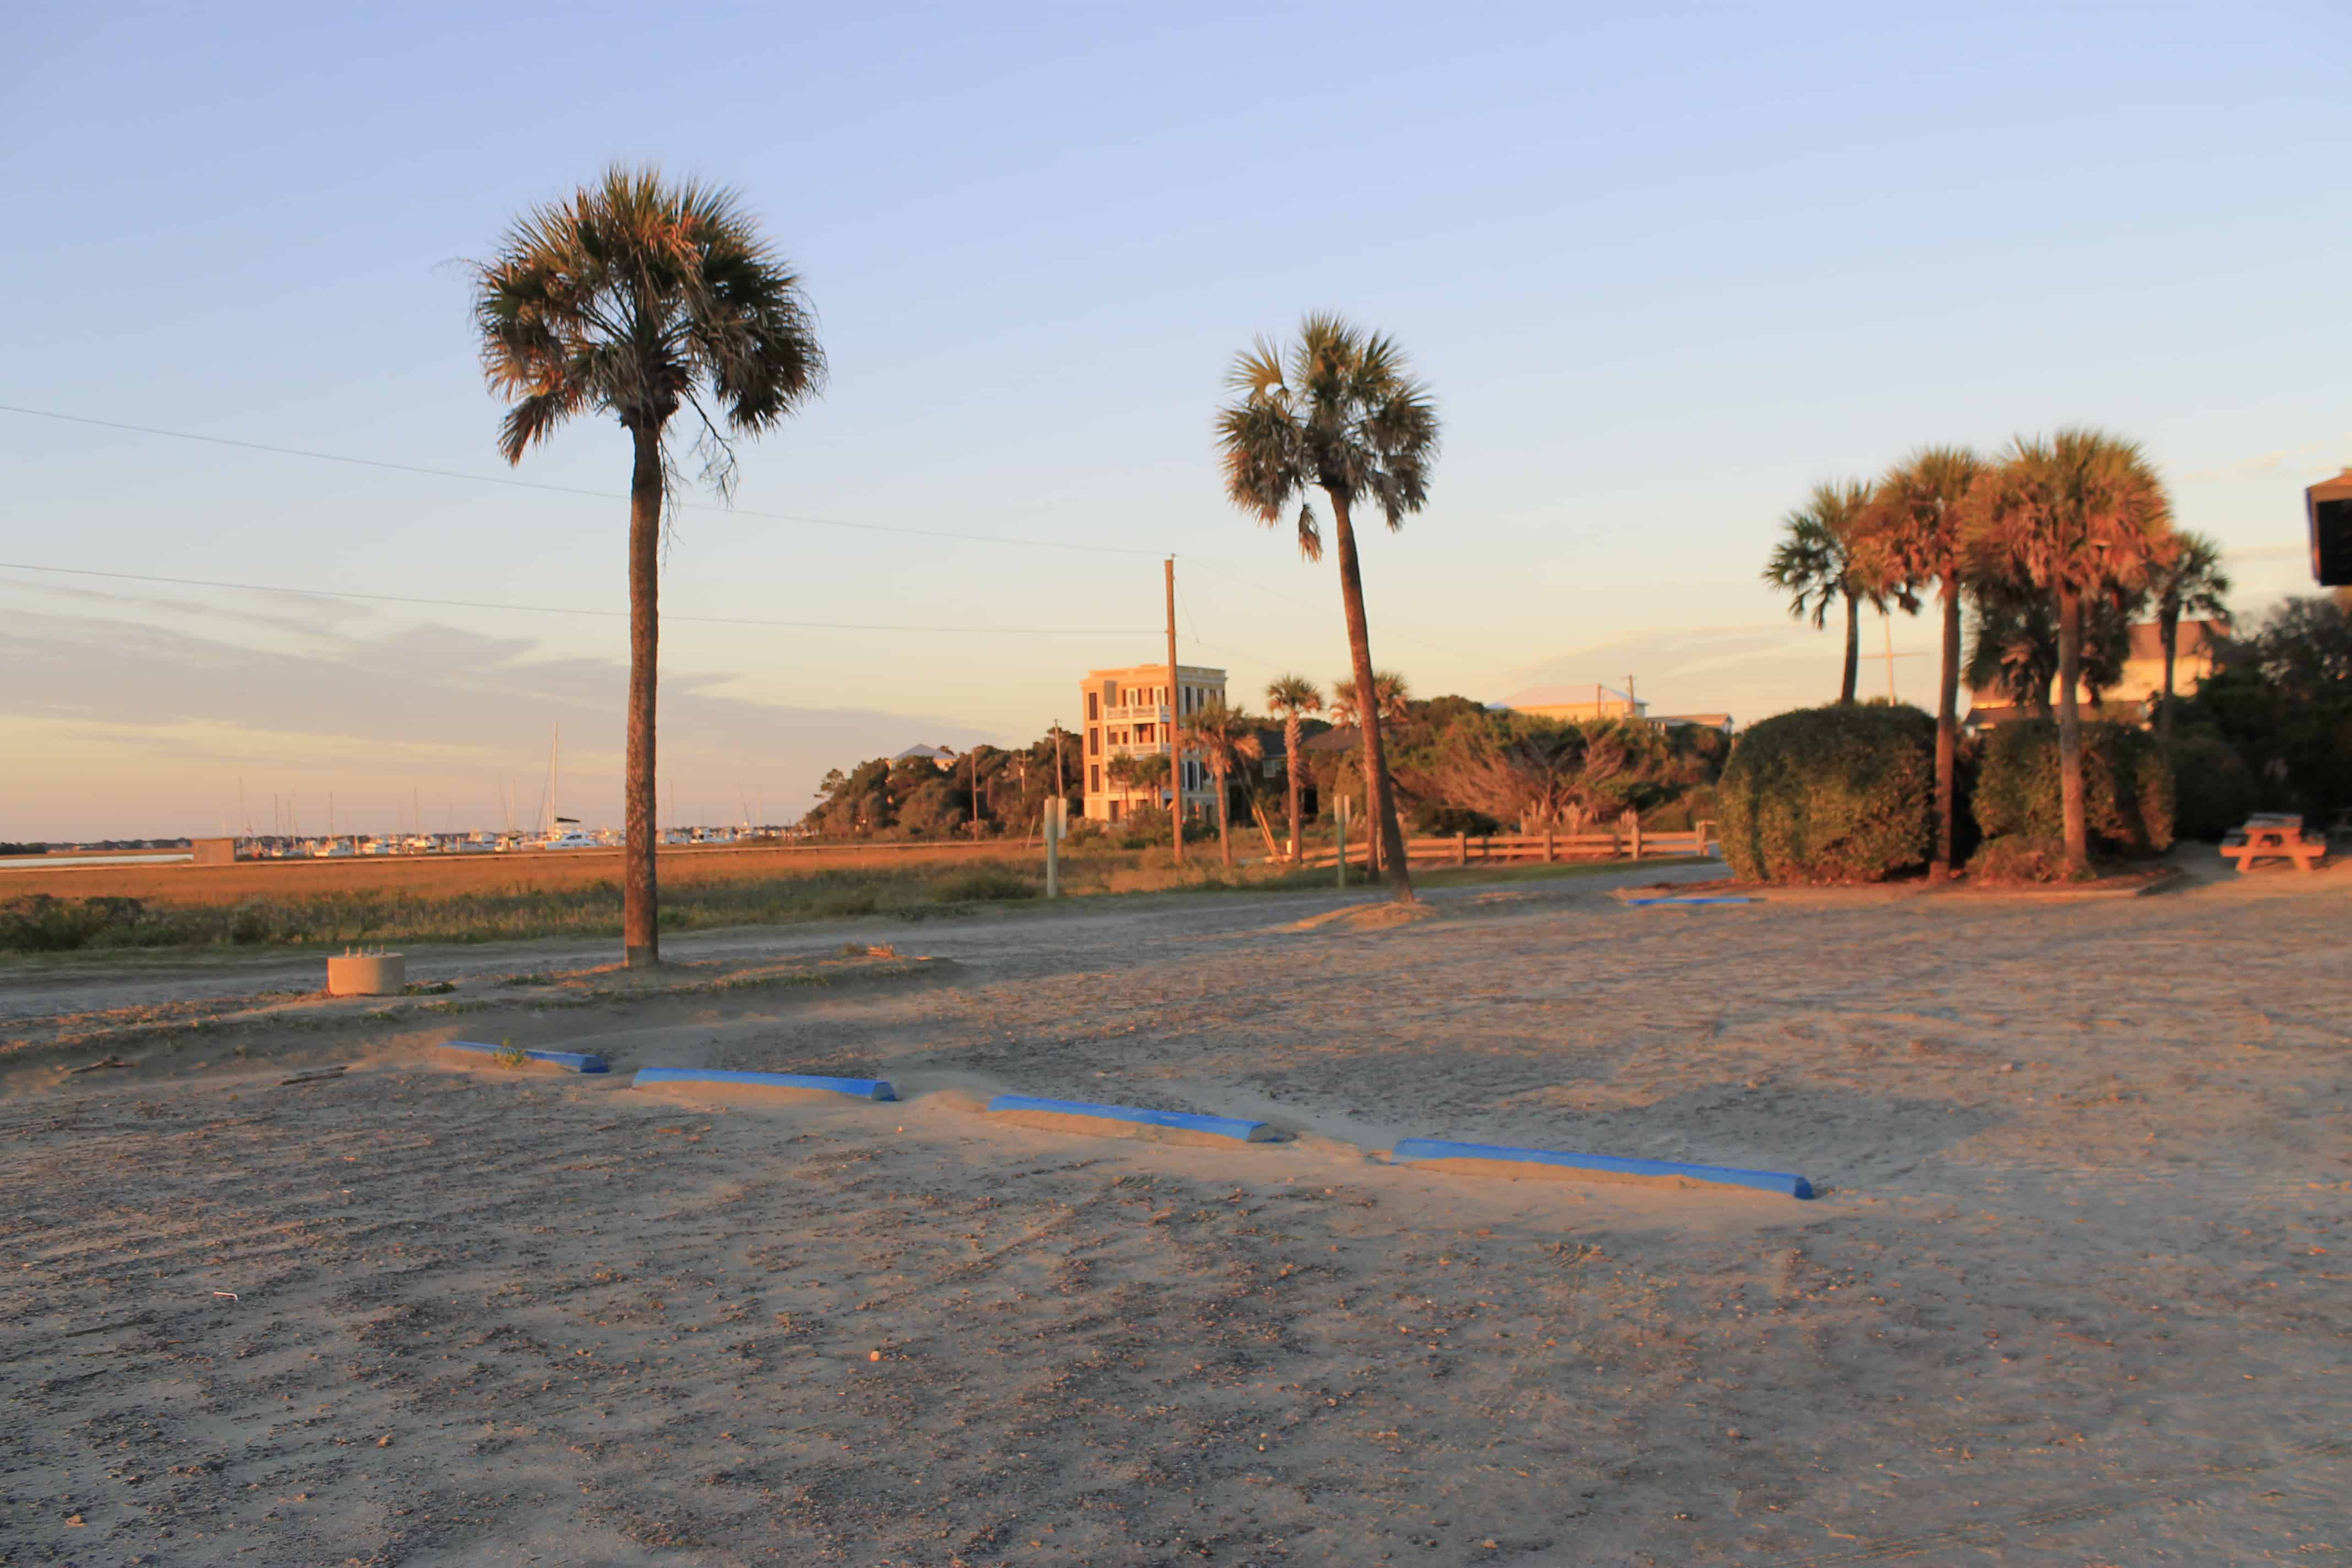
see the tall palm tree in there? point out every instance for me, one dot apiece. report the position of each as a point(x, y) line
point(1815, 566)
point(1225, 738)
point(1339, 412)
point(2193, 585)
point(1294, 697)
point(2078, 514)
point(636, 297)
point(1911, 535)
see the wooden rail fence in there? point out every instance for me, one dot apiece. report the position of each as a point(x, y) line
point(1500, 848)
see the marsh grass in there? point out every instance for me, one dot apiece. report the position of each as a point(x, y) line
point(301, 906)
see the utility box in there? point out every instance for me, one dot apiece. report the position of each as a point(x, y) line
point(367, 975)
point(2329, 504)
point(212, 851)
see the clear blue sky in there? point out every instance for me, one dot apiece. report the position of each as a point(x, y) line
point(1663, 271)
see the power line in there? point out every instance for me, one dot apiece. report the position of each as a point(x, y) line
point(567, 490)
point(568, 609)
point(1392, 627)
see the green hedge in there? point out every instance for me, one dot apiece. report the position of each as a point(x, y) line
point(1830, 795)
point(2213, 790)
point(2126, 787)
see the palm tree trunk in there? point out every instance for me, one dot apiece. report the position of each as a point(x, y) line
point(1224, 820)
point(640, 926)
point(1290, 764)
point(2069, 732)
point(1947, 735)
point(1367, 708)
point(1852, 648)
point(2167, 625)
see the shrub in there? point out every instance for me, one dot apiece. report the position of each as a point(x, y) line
point(1446, 821)
point(2019, 857)
point(1838, 794)
point(975, 883)
point(2213, 790)
point(2126, 788)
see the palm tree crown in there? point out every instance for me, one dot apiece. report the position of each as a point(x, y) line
point(1393, 698)
point(1815, 564)
point(639, 296)
point(2076, 512)
point(1343, 415)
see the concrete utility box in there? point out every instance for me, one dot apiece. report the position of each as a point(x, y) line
point(212, 851)
point(367, 975)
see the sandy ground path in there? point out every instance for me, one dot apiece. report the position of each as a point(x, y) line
point(2074, 1295)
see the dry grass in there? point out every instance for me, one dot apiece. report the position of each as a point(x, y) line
point(315, 904)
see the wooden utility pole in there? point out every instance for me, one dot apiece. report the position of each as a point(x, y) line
point(1175, 768)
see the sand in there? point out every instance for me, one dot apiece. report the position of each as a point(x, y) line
point(2074, 1292)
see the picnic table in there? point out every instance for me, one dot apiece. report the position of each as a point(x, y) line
point(2274, 836)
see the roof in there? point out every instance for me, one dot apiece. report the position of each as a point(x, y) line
point(1340, 738)
point(930, 753)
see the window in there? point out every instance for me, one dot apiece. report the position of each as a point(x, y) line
point(1093, 705)
point(1094, 779)
point(1094, 741)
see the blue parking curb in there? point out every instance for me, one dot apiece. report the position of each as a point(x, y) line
point(857, 1087)
point(1640, 903)
point(570, 1061)
point(1795, 1186)
point(1216, 1126)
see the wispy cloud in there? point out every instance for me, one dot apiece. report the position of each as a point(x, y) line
point(2287, 461)
point(105, 711)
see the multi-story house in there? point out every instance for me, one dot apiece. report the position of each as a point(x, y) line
point(1130, 713)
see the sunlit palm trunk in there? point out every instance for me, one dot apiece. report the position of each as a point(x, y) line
point(1852, 648)
point(1290, 762)
point(640, 931)
point(2168, 627)
point(1359, 648)
point(1947, 735)
point(1224, 819)
point(2069, 732)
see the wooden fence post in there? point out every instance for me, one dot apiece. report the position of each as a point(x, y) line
point(1637, 839)
point(1549, 845)
point(1462, 849)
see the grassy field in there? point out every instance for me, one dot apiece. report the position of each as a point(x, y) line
point(487, 898)
point(490, 898)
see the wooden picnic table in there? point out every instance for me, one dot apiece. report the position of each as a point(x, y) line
point(2274, 836)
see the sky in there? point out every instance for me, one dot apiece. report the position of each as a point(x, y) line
point(1661, 272)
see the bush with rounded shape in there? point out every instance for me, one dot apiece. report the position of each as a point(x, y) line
point(2126, 787)
point(2213, 790)
point(2019, 857)
point(1843, 794)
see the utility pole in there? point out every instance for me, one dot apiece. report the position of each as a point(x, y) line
point(1632, 709)
point(1887, 624)
point(1175, 771)
point(975, 793)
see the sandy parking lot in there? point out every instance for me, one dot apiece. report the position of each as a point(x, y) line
point(2075, 1293)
